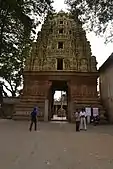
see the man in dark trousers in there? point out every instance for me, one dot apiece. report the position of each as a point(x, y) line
point(34, 114)
point(77, 118)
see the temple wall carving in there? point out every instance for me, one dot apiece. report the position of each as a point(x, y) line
point(60, 53)
point(82, 90)
point(75, 49)
point(36, 88)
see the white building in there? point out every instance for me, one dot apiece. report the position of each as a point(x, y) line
point(106, 86)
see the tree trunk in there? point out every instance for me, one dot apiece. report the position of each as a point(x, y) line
point(1, 101)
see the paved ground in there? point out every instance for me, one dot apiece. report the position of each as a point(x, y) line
point(56, 146)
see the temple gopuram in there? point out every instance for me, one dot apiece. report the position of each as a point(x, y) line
point(60, 59)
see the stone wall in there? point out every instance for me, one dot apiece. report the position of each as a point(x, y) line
point(75, 50)
point(106, 90)
point(60, 53)
point(8, 106)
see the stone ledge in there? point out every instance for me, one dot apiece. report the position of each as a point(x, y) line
point(24, 117)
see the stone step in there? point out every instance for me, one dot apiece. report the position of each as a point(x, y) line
point(32, 98)
point(31, 105)
point(30, 101)
point(25, 108)
point(23, 116)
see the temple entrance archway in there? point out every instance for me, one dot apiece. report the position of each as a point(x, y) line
point(59, 60)
point(58, 106)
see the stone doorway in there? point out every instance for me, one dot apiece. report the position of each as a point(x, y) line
point(58, 101)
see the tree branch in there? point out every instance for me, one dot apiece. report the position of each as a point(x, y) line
point(7, 88)
point(2, 29)
point(5, 93)
point(9, 81)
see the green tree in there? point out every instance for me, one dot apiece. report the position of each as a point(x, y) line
point(18, 20)
point(97, 15)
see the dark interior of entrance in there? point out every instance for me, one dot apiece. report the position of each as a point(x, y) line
point(59, 64)
point(58, 101)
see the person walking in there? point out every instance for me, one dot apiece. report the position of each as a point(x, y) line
point(34, 114)
point(83, 120)
point(77, 118)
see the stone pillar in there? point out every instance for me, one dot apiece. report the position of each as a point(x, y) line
point(71, 99)
point(46, 110)
point(56, 108)
point(71, 111)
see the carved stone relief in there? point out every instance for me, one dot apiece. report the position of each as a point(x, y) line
point(53, 63)
point(75, 64)
point(93, 64)
point(50, 64)
point(81, 91)
point(68, 64)
point(84, 90)
point(75, 91)
point(47, 45)
point(36, 88)
point(83, 65)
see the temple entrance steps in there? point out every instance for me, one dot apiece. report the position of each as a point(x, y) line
point(25, 106)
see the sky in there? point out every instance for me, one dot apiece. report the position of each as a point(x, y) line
point(99, 49)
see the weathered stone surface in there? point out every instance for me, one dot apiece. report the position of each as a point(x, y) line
point(106, 86)
point(61, 53)
point(75, 49)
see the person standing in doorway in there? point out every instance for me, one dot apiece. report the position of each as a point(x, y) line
point(77, 118)
point(83, 120)
point(34, 114)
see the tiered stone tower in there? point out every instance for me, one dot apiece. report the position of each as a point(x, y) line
point(60, 55)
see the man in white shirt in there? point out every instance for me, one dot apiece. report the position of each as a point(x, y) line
point(83, 120)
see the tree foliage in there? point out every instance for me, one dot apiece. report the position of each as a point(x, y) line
point(97, 15)
point(18, 19)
